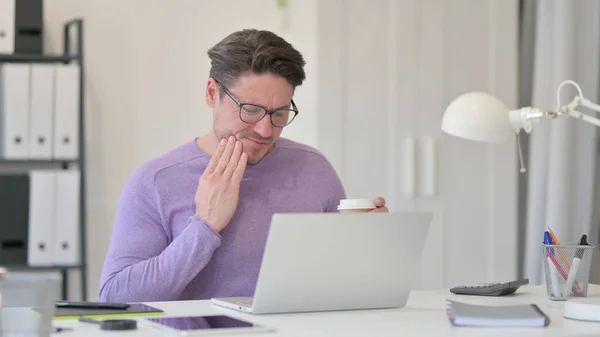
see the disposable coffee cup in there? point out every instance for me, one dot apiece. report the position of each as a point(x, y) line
point(356, 205)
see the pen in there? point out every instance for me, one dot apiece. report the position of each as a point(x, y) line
point(573, 271)
point(553, 278)
point(551, 267)
point(560, 251)
point(548, 240)
point(564, 259)
point(554, 263)
point(576, 262)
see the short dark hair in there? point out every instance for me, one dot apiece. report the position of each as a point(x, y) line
point(256, 51)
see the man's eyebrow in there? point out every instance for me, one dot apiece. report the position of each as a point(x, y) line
point(278, 108)
point(284, 107)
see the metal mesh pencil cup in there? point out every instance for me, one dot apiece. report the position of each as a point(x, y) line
point(567, 270)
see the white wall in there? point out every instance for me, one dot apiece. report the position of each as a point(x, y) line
point(144, 97)
point(388, 69)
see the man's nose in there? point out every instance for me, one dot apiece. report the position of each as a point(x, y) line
point(264, 127)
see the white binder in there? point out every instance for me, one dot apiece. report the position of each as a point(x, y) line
point(42, 197)
point(66, 219)
point(41, 111)
point(14, 110)
point(66, 111)
point(7, 26)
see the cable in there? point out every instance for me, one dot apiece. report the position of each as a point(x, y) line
point(560, 87)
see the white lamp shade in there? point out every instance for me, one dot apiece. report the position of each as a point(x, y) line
point(478, 116)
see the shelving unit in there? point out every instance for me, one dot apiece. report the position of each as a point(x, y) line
point(72, 52)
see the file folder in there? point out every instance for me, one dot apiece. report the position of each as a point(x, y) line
point(7, 26)
point(66, 111)
point(29, 24)
point(14, 198)
point(14, 110)
point(42, 198)
point(41, 111)
point(66, 219)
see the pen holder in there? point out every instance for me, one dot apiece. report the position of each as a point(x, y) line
point(567, 269)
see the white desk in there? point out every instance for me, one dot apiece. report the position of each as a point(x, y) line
point(424, 315)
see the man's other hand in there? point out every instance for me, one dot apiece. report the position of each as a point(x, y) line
point(380, 204)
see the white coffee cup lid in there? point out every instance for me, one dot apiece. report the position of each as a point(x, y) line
point(356, 204)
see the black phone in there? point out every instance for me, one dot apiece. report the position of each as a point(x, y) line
point(92, 305)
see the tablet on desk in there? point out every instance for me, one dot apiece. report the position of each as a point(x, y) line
point(203, 325)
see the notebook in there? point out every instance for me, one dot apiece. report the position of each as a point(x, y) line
point(135, 310)
point(523, 315)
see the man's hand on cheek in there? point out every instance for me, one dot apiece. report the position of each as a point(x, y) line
point(380, 205)
point(219, 186)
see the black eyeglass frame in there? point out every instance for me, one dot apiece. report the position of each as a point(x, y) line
point(266, 111)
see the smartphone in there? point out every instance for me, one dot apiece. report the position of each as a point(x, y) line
point(203, 325)
point(92, 305)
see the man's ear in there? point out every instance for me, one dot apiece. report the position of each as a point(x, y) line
point(212, 92)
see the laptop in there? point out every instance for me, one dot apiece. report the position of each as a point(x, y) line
point(334, 261)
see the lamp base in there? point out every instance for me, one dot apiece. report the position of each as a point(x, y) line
point(583, 309)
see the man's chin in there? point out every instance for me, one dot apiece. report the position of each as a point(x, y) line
point(255, 158)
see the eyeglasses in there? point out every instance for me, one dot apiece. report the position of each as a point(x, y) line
point(253, 113)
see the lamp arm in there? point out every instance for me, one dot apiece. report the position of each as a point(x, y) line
point(523, 119)
point(589, 104)
point(579, 115)
point(584, 117)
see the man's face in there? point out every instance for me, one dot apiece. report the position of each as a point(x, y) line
point(269, 91)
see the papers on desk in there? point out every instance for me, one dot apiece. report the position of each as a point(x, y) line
point(525, 315)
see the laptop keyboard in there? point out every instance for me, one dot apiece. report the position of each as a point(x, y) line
point(247, 302)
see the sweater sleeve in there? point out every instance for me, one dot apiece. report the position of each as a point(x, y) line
point(141, 264)
point(334, 187)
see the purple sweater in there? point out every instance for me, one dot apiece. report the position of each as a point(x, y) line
point(161, 251)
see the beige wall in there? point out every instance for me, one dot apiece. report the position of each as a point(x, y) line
point(146, 69)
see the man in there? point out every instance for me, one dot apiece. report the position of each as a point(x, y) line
point(193, 223)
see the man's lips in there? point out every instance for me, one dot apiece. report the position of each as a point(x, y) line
point(257, 143)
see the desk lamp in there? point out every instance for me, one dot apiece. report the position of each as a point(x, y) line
point(482, 117)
